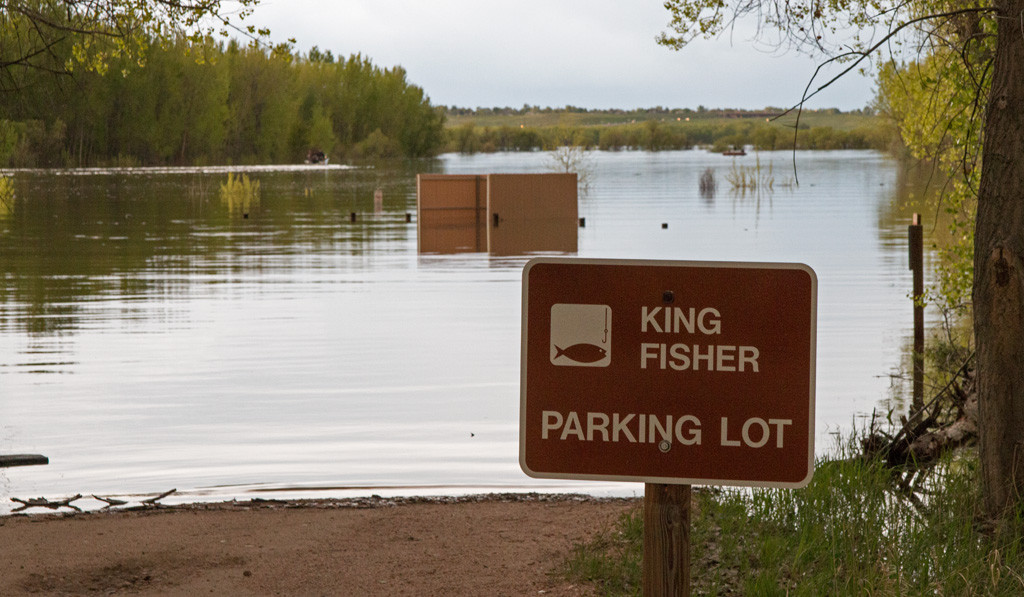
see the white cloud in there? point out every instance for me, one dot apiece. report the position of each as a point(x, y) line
point(586, 53)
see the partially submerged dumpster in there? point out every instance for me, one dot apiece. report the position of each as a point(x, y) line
point(502, 214)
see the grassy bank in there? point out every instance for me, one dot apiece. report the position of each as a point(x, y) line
point(847, 533)
point(488, 130)
point(535, 117)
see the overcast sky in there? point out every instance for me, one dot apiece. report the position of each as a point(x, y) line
point(589, 53)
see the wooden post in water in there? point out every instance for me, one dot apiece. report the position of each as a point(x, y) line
point(378, 201)
point(666, 564)
point(916, 244)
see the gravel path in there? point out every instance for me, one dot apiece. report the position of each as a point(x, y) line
point(476, 545)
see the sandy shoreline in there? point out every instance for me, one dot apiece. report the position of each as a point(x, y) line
point(493, 544)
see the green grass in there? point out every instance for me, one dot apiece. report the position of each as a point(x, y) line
point(847, 533)
point(6, 195)
point(613, 560)
point(240, 194)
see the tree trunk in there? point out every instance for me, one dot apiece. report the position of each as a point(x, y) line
point(999, 274)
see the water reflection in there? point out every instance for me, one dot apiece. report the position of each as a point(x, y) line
point(130, 237)
point(144, 323)
point(919, 188)
point(708, 185)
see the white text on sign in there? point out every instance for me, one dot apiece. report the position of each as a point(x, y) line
point(634, 428)
point(682, 356)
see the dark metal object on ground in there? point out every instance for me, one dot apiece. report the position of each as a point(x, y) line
point(8, 460)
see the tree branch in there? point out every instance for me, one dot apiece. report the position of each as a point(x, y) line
point(861, 56)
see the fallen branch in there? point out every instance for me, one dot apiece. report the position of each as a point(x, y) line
point(41, 502)
point(928, 447)
point(109, 501)
point(949, 420)
point(153, 500)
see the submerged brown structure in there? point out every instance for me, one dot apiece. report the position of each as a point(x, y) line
point(501, 214)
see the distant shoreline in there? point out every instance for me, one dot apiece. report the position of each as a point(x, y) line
point(224, 169)
point(369, 502)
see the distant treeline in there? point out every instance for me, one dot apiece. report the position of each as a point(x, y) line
point(636, 113)
point(217, 103)
point(659, 135)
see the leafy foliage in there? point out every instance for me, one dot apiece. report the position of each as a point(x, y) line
point(61, 35)
point(209, 102)
point(936, 102)
point(827, 27)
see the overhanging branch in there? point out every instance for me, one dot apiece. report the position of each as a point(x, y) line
point(861, 56)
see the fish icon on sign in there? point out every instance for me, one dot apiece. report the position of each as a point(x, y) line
point(581, 335)
point(582, 353)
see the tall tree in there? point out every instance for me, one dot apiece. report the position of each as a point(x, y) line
point(999, 271)
point(998, 291)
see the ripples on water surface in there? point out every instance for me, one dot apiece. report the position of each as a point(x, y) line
point(152, 337)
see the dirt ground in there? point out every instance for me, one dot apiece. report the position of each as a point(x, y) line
point(476, 545)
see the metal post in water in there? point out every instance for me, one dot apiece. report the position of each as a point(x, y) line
point(916, 244)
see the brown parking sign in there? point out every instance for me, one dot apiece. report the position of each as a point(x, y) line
point(668, 371)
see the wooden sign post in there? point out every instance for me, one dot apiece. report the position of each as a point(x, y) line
point(672, 374)
point(666, 564)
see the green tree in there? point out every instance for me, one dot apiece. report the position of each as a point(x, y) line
point(42, 38)
point(179, 97)
point(934, 103)
point(263, 111)
point(986, 38)
point(33, 31)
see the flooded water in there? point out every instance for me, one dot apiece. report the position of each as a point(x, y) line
point(154, 335)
